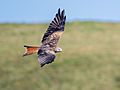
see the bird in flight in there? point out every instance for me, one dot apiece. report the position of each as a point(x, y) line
point(47, 50)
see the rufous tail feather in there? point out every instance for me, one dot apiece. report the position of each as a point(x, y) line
point(30, 50)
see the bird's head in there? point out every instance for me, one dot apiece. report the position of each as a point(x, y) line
point(58, 49)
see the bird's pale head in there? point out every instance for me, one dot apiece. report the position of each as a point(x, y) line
point(58, 49)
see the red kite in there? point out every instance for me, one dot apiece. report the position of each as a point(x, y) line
point(46, 52)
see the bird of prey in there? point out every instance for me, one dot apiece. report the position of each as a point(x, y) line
point(47, 50)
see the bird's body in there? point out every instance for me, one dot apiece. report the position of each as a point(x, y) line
point(46, 52)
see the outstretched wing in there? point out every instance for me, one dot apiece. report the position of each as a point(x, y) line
point(45, 57)
point(56, 27)
point(46, 53)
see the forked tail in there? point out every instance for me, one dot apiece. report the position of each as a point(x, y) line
point(30, 50)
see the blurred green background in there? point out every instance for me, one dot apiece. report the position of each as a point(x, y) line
point(90, 59)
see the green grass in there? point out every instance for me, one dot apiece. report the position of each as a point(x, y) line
point(90, 59)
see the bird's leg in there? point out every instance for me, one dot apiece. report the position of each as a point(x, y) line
point(58, 49)
point(30, 50)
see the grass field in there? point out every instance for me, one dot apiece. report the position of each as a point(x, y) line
point(90, 59)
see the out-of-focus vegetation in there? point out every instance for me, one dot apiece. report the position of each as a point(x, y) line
point(90, 59)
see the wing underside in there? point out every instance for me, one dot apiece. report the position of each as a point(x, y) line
point(45, 57)
point(57, 25)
